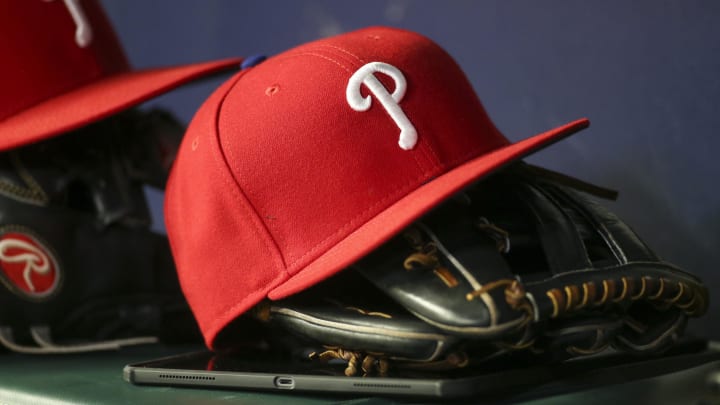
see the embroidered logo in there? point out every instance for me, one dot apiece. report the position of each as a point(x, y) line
point(27, 266)
point(366, 75)
point(83, 32)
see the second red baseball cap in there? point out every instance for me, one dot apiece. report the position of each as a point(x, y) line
point(63, 68)
point(297, 167)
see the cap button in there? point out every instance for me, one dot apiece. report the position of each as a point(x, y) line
point(251, 61)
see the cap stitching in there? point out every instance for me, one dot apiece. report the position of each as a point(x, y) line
point(435, 157)
point(220, 157)
point(343, 50)
point(308, 53)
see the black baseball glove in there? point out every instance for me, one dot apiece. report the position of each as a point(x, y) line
point(80, 268)
point(522, 263)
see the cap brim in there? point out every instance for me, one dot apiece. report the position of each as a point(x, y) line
point(408, 209)
point(98, 100)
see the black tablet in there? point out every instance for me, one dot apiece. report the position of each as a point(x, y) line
point(264, 370)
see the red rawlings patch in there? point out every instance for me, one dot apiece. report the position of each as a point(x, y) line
point(27, 265)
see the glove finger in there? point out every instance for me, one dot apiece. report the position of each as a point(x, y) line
point(344, 312)
point(447, 271)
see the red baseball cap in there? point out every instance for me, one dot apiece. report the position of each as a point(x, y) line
point(299, 166)
point(63, 68)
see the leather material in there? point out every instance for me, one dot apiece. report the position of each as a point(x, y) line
point(77, 256)
point(619, 237)
point(437, 292)
point(558, 234)
point(353, 314)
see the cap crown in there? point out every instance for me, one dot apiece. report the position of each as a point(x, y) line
point(313, 167)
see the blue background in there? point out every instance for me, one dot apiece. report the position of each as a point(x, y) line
point(646, 73)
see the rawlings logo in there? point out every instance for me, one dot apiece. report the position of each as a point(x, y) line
point(366, 75)
point(28, 266)
point(83, 32)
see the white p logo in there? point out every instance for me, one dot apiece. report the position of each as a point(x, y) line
point(365, 75)
point(83, 32)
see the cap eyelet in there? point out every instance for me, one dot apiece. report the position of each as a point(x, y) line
point(270, 91)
